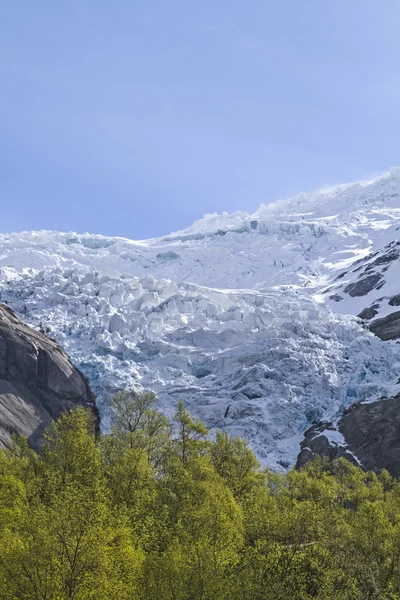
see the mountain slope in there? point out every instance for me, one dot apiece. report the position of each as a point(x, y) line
point(233, 315)
point(370, 287)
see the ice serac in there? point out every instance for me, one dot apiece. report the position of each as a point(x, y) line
point(250, 319)
point(37, 381)
point(264, 365)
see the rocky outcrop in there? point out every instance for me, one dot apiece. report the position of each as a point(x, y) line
point(324, 440)
point(369, 313)
point(373, 278)
point(387, 328)
point(363, 286)
point(372, 432)
point(367, 432)
point(37, 381)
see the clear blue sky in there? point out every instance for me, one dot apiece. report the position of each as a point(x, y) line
point(134, 117)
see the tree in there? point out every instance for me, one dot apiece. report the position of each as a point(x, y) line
point(67, 542)
point(236, 463)
point(157, 512)
point(137, 424)
point(191, 434)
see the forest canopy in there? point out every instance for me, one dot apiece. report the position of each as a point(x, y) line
point(155, 510)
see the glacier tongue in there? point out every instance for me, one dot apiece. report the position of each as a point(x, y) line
point(265, 365)
point(228, 315)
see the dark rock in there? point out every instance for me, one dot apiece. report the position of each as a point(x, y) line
point(305, 456)
point(336, 297)
point(387, 328)
point(363, 286)
point(317, 443)
point(395, 300)
point(371, 433)
point(390, 253)
point(37, 381)
point(368, 313)
point(363, 259)
point(341, 275)
point(387, 255)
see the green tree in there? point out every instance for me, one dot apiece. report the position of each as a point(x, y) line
point(136, 423)
point(191, 433)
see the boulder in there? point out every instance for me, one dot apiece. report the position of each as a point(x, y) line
point(37, 381)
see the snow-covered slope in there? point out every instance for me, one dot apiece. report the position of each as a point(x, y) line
point(302, 241)
point(370, 287)
point(232, 314)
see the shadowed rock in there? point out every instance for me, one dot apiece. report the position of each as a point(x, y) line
point(363, 286)
point(387, 328)
point(37, 381)
point(318, 442)
point(395, 300)
point(371, 433)
point(368, 313)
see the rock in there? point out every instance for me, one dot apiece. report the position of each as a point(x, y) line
point(387, 328)
point(368, 313)
point(395, 300)
point(371, 434)
point(336, 297)
point(319, 440)
point(37, 381)
point(363, 286)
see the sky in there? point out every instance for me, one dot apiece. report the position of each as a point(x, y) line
point(133, 118)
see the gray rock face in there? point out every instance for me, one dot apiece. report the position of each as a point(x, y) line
point(395, 300)
point(371, 433)
point(363, 286)
point(317, 442)
point(37, 381)
point(369, 313)
point(387, 328)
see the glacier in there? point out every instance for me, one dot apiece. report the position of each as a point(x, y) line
point(237, 315)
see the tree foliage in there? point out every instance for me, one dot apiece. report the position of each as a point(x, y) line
point(156, 511)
